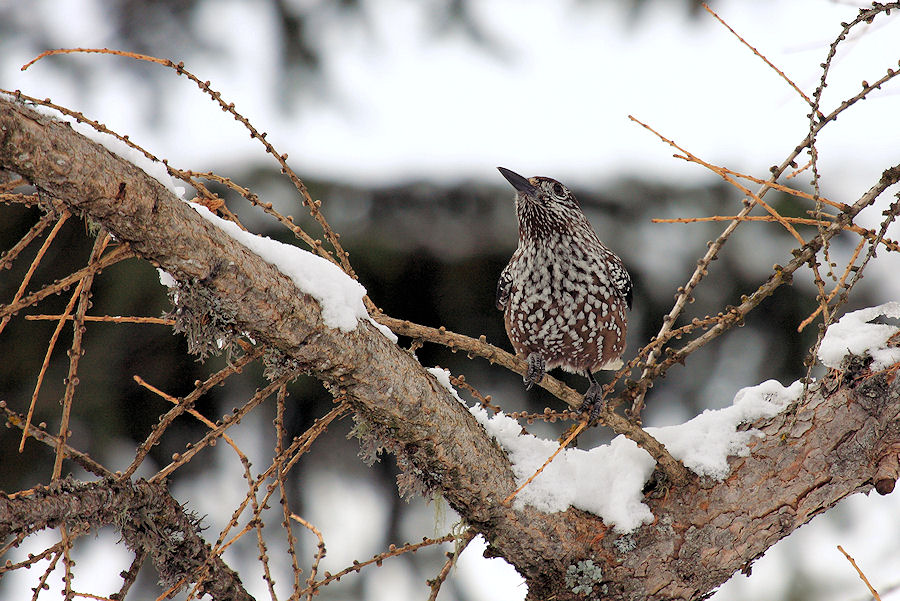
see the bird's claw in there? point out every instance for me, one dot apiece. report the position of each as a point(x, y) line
point(594, 403)
point(536, 370)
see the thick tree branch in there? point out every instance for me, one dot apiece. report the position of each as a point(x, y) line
point(146, 515)
point(434, 437)
point(840, 439)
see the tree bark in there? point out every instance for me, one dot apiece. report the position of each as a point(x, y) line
point(148, 518)
point(841, 439)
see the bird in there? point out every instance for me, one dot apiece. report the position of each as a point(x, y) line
point(564, 294)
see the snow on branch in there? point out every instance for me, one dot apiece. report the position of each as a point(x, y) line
point(855, 334)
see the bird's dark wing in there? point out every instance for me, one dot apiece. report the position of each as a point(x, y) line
point(622, 280)
point(503, 287)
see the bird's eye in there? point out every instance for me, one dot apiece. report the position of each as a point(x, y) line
point(558, 190)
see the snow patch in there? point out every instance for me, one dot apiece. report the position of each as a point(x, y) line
point(443, 377)
point(339, 295)
point(385, 331)
point(608, 480)
point(854, 334)
point(154, 169)
point(704, 443)
point(165, 278)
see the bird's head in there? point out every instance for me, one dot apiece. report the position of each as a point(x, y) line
point(544, 204)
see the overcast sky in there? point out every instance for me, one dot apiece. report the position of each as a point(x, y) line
point(551, 95)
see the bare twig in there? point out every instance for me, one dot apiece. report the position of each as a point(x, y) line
point(9, 256)
point(130, 575)
point(226, 422)
point(780, 276)
point(827, 219)
point(84, 295)
point(393, 551)
point(37, 259)
point(111, 258)
point(312, 205)
point(485, 401)
point(184, 405)
point(575, 432)
point(105, 318)
point(481, 348)
point(452, 557)
point(758, 53)
point(862, 576)
point(840, 284)
point(41, 435)
point(46, 363)
point(320, 553)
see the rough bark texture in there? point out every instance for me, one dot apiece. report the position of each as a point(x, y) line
point(827, 447)
point(841, 439)
point(146, 515)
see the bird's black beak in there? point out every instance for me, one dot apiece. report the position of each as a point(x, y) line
point(518, 182)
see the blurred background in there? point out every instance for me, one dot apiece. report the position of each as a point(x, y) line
point(395, 114)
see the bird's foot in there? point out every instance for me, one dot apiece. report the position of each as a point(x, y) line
point(594, 403)
point(537, 367)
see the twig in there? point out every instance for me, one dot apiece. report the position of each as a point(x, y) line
point(228, 421)
point(320, 553)
point(37, 259)
point(781, 275)
point(484, 401)
point(280, 476)
point(865, 233)
point(759, 54)
point(193, 412)
point(714, 247)
point(864, 16)
point(298, 447)
point(185, 175)
point(66, 543)
point(84, 295)
point(46, 363)
point(890, 215)
point(393, 551)
point(575, 432)
point(111, 258)
point(246, 193)
point(671, 466)
point(36, 230)
point(256, 521)
point(452, 557)
point(891, 245)
point(31, 559)
point(106, 318)
point(685, 292)
point(798, 170)
point(312, 205)
point(838, 286)
point(42, 583)
point(548, 415)
point(184, 405)
point(40, 435)
point(130, 575)
point(860, 572)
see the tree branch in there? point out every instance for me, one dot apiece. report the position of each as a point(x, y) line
point(835, 442)
point(147, 516)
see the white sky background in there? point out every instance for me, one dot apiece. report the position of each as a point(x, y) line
point(401, 101)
